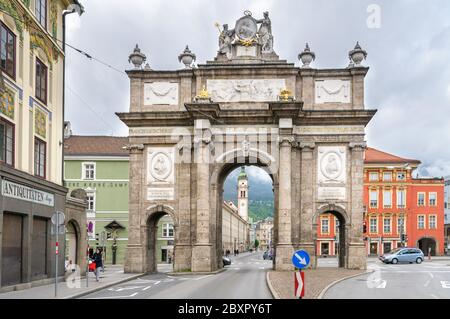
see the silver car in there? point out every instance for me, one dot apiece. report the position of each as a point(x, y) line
point(403, 255)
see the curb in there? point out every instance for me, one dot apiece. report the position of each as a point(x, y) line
point(324, 290)
point(196, 273)
point(90, 291)
point(271, 289)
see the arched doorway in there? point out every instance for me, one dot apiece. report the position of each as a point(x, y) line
point(427, 245)
point(221, 172)
point(160, 232)
point(330, 236)
point(72, 237)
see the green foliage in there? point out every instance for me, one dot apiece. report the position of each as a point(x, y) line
point(256, 243)
point(259, 210)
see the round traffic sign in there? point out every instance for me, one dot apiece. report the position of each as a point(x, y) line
point(300, 259)
point(58, 216)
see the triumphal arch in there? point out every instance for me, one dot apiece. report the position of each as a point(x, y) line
point(189, 128)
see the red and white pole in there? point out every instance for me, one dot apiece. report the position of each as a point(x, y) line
point(299, 279)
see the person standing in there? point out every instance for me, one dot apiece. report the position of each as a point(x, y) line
point(98, 263)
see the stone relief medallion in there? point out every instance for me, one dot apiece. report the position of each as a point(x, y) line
point(331, 164)
point(160, 165)
point(246, 28)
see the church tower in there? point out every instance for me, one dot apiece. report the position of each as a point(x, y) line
point(243, 194)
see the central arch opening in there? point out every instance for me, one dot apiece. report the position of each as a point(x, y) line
point(246, 206)
point(330, 239)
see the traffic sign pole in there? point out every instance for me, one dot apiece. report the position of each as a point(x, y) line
point(56, 255)
point(299, 284)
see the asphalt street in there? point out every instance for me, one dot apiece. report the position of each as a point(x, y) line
point(429, 280)
point(245, 278)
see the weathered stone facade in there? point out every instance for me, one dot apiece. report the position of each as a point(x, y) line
point(194, 126)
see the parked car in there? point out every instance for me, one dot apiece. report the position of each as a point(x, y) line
point(403, 255)
point(267, 255)
point(226, 261)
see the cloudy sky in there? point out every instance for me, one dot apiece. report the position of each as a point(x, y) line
point(408, 54)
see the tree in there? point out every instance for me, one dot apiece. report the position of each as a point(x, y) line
point(256, 243)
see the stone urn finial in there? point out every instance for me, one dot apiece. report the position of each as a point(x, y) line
point(187, 57)
point(307, 56)
point(356, 56)
point(137, 58)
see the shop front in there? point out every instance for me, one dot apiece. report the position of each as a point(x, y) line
point(26, 237)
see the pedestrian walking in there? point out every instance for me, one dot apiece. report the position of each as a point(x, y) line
point(98, 263)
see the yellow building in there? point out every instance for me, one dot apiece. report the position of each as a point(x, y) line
point(264, 233)
point(31, 134)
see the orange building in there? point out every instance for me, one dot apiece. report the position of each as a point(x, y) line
point(399, 210)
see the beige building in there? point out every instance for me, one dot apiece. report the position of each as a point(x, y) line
point(235, 225)
point(31, 139)
point(235, 229)
point(264, 233)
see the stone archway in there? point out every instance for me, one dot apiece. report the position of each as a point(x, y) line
point(153, 214)
point(223, 166)
point(428, 245)
point(342, 218)
point(72, 242)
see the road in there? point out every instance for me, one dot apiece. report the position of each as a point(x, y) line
point(429, 280)
point(245, 278)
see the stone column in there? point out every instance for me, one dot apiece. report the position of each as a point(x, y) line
point(134, 255)
point(358, 75)
point(284, 248)
point(307, 188)
point(356, 255)
point(183, 249)
point(201, 253)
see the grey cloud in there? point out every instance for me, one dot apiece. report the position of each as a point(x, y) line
point(408, 81)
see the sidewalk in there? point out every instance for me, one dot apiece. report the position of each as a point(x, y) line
point(113, 275)
point(281, 283)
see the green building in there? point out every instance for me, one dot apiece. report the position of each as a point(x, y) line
point(100, 165)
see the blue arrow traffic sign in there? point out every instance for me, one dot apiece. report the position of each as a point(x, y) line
point(300, 259)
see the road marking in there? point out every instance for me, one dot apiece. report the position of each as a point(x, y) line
point(148, 287)
point(434, 296)
point(157, 283)
point(445, 284)
point(114, 297)
point(382, 284)
point(124, 288)
point(258, 267)
point(427, 283)
point(203, 277)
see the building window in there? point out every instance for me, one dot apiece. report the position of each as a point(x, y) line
point(387, 176)
point(324, 229)
point(88, 170)
point(420, 199)
point(387, 199)
point(401, 198)
point(387, 225)
point(373, 199)
point(373, 225)
point(401, 176)
point(432, 222)
point(432, 199)
point(6, 142)
point(7, 51)
point(41, 12)
point(373, 176)
point(39, 157)
point(41, 81)
point(90, 198)
point(400, 225)
point(167, 230)
point(421, 222)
